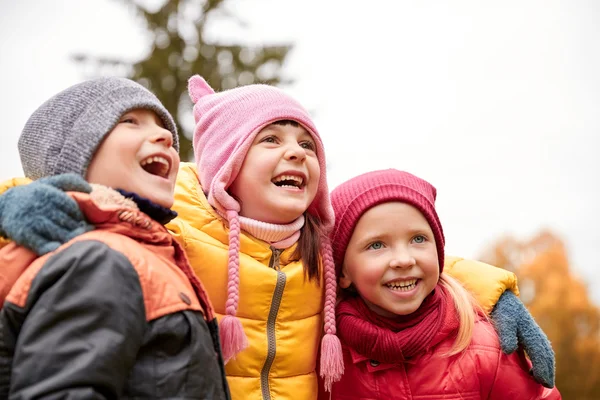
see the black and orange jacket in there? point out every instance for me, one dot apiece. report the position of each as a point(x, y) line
point(114, 313)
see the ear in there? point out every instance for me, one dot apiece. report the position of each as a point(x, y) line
point(198, 87)
point(345, 281)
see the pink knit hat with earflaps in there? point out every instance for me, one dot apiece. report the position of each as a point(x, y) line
point(226, 125)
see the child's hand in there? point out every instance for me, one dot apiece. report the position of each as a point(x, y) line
point(41, 216)
point(516, 327)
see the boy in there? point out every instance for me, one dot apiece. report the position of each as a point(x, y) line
point(116, 312)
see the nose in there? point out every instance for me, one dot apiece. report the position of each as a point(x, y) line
point(295, 152)
point(162, 136)
point(402, 258)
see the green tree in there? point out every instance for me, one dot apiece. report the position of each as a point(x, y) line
point(179, 48)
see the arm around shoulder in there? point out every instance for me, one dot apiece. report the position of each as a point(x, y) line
point(10, 183)
point(4, 186)
point(40, 215)
point(80, 327)
point(485, 282)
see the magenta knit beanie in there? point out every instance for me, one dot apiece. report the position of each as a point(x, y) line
point(226, 125)
point(353, 198)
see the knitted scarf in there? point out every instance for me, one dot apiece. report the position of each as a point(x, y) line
point(278, 236)
point(394, 340)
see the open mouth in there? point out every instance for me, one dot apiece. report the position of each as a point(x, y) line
point(402, 286)
point(289, 181)
point(156, 165)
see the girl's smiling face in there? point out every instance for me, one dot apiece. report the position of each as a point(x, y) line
point(391, 259)
point(280, 175)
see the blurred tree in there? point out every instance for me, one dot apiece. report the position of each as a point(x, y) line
point(179, 48)
point(560, 304)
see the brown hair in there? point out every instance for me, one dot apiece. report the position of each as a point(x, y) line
point(308, 247)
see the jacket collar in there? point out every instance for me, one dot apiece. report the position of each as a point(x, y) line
point(158, 213)
point(107, 209)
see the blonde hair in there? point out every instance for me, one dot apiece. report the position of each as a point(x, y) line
point(466, 308)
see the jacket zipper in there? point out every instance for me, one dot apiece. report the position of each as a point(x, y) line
point(274, 261)
point(275, 303)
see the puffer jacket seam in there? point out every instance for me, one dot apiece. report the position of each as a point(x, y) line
point(496, 370)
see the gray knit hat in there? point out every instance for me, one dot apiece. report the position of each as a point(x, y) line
point(63, 134)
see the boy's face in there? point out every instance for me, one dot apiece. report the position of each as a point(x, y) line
point(137, 156)
point(391, 259)
point(280, 175)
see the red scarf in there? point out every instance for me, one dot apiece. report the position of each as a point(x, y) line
point(394, 340)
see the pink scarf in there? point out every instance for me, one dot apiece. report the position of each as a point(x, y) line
point(278, 236)
point(395, 340)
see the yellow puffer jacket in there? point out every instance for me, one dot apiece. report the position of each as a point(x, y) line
point(485, 282)
point(280, 311)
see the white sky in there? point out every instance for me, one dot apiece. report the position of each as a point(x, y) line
point(497, 104)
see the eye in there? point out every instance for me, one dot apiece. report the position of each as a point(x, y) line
point(269, 139)
point(375, 245)
point(419, 239)
point(308, 145)
point(128, 119)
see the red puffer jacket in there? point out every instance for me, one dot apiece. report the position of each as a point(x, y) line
point(482, 371)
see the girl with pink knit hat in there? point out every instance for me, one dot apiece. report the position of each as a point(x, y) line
point(408, 329)
point(254, 219)
point(254, 214)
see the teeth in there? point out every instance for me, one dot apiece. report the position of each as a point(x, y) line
point(156, 159)
point(403, 286)
point(156, 165)
point(292, 178)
